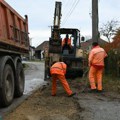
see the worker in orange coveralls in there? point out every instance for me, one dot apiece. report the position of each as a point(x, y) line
point(66, 43)
point(66, 40)
point(58, 71)
point(96, 64)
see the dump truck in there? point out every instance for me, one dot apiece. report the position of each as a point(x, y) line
point(14, 42)
point(74, 58)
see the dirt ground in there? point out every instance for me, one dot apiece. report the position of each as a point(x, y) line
point(84, 106)
point(42, 106)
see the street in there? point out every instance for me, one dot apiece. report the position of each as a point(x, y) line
point(42, 106)
point(99, 107)
point(34, 76)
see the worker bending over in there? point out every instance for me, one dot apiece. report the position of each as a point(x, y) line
point(96, 64)
point(58, 71)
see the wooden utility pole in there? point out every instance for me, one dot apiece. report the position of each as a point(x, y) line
point(95, 33)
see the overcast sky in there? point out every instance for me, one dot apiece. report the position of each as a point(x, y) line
point(75, 14)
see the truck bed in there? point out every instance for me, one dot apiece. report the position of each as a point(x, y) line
point(13, 30)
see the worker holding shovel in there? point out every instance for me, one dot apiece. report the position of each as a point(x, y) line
point(96, 64)
point(58, 71)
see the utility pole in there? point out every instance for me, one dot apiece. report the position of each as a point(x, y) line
point(95, 33)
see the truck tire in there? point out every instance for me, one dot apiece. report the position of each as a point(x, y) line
point(7, 90)
point(20, 80)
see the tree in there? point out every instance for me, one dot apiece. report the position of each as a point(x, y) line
point(113, 59)
point(116, 42)
point(117, 34)
point(109, 29)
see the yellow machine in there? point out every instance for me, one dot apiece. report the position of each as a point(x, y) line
point(74, 58)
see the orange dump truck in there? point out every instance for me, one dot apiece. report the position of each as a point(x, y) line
point(14, 42)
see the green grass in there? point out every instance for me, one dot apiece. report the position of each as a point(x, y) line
point(110, 84)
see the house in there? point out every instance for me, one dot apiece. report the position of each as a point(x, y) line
point(39, 50)
point(32, 53)
point(86, 46)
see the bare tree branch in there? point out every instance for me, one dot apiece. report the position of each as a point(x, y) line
point(108, 30)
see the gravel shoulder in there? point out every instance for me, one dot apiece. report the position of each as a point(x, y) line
point(42, 106)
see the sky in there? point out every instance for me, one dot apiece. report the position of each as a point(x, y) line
point(75, 14)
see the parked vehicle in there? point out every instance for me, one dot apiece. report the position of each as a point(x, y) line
point(14, 42)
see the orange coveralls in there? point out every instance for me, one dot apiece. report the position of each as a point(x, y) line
point(58, 71)
point(68, 42)
point(96, 63)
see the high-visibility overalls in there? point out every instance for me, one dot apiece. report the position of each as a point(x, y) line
point(96, 63)
point(58, 71)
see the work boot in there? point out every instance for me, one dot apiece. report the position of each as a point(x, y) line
point(92, 91)
point(53, 95)
point(72, 95)
point(100, 91)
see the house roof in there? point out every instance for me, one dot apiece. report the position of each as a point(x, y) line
point(42, 46)
point(86, 44)
point(32, 47)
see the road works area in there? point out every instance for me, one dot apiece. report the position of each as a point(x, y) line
point(83, 106)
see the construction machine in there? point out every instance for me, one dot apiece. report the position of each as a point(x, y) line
point(73, 57)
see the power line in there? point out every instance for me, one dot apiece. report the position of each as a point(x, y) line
point(71, 11)
point(68, 2)
point(66, 8)
point(73, 4)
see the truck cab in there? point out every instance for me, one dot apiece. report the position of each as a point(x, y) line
point(73, 57)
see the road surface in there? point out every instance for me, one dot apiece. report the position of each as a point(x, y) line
point(90, 106)
point(34, 76)
point(84, 106)
point(99, 107)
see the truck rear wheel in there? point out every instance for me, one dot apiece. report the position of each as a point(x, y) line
point(20, 80)
point(7, 90)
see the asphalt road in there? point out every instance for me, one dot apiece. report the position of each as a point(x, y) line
point(99, 106)
point(34, 78)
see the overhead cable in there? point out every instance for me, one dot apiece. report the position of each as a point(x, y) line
point(71, 11)
point(73, 3)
